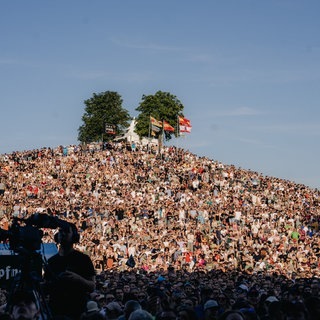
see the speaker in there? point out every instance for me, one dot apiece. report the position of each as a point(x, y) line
point(75, 235)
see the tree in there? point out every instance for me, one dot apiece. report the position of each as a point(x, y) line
point(102, 109)
point(161, 106)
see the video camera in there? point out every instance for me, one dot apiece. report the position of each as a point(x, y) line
point(28, 237)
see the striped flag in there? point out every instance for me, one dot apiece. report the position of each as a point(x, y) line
point(167, 126)
point(156, 125)
point(184, 125)
point(156, 122)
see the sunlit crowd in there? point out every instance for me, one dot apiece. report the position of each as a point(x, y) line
point(172, 230)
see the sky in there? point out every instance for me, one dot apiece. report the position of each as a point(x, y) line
point(246, 71)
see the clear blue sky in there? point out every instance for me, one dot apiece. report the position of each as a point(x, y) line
point(247, 72)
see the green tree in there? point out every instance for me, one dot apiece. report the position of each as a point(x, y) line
point(102, 109)
point(162, 106)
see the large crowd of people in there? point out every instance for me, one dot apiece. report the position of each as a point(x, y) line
point(173, 230)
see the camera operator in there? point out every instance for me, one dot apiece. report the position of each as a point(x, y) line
point(69, 275)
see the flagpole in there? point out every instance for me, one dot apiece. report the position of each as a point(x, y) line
point(178, 130)
point(149, 133)
point(162, 132)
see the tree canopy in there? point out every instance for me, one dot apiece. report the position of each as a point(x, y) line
point(163, 106)
point(101, 110)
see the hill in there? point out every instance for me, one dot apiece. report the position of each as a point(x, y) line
point(169, 208)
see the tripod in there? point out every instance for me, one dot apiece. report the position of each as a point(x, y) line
point(29, 279)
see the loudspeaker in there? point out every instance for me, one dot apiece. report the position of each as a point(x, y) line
point(75, 234)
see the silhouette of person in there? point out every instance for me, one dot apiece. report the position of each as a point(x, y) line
point(70, 275)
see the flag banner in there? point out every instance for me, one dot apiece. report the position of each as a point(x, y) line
point(130, 262)
point(184, 125)
point(184, 121)
point(110, 129)
point(167, 135)
point(155, 128)
point(185, 129)
point(155, 122)
point(167, 126)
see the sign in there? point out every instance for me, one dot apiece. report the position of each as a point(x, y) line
point(110, 129)
point(11, 263)
point(47, 250)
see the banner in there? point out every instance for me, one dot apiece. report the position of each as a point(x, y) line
point(155, 122)
point(167, 126)
point(156, 126)
point(130, 262)
point(110, 129)
point(184, 124)
point(11, 264)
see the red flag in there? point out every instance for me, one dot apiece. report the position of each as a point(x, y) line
point(167, 126)
point(155, 122)
point(184, 125)
point(184, 121)
point(185, 129)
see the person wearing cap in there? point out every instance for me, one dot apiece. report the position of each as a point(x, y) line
point(24, 306)
point(112, 311)
point(141, 315)
point(211, 308)
point(271, 299)
point(242, 291)
point(92, 312)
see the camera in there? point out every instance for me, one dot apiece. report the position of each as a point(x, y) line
point(24, 235)
point(24, 238)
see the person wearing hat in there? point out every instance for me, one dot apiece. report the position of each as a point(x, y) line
point(112, 310)
point(24, 306)
point(92, 306)
point(242, 291)
point(211, 308)
point(92, 312)
point(141, 315)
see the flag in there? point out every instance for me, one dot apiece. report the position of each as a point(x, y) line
point(130, 262)
point(184, 121)
point(167, 126)
point(185, 129)
point(155, 128)
point(156, 125)
point(155, 122)
point(184, 125)
point(110, 129)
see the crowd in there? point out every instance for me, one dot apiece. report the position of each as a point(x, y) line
point(187, 228)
